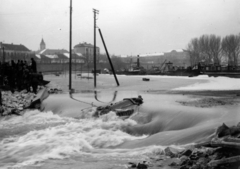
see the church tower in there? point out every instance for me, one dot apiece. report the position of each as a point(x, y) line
point(42, 45)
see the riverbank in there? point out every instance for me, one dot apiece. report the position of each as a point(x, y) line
point(219, 151)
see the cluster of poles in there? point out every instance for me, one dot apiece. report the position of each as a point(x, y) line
point(94, 51)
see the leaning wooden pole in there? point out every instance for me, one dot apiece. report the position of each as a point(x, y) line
point(108, 57)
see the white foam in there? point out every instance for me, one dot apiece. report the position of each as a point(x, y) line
point(69, 137)
point(218, 83)
point(30, 117)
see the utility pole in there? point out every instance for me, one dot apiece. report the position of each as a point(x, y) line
point(70, 49)
point(3, 65)
point(3, 53)
point(94, 49)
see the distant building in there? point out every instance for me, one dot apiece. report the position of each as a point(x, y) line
point(10, 48)
point(87, 50)
point(57, 55)
point(44, 51)
point(15, 52)
point(42, 47)
point(43, 58)
point(177, 57)
point(62, 56)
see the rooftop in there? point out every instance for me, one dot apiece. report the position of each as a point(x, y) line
point(84, 44)
point(15, 47)
point(53, 51)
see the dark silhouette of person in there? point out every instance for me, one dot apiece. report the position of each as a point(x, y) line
point(34, 83)
point(40, 78)
point(34, 66)
point(25, 63)
point(13, 64)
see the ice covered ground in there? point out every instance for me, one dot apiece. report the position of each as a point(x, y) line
point(135, 83)
point(214, 83)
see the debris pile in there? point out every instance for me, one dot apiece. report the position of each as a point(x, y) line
point(53, 88)
point(13, 103)
point(222, 151)
point(142, 165)
point(54, 91)
point(145, 79)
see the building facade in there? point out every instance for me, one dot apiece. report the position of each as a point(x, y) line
point(15, 52)
point(87, 50)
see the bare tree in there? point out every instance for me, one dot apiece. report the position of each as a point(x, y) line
point(193, 51)
point(206, 48)
point(231, 48)
point(215, 48)
point(205, 54)
point(210, 48)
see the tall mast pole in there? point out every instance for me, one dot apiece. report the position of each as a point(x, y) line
point(70, 49)
point(94, 48)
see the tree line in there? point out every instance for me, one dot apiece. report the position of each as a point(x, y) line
point(212, 49)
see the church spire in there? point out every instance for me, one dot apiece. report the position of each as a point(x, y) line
point(42, 45)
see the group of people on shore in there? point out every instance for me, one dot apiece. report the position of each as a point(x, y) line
point(20, 76)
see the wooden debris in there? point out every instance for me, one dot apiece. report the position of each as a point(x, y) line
point(224, 144)
point(232, 139)
point(215, 163)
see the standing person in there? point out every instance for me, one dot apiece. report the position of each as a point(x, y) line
point(13, 64)
point(34, 83)
point(25, 63)
point(34, 65)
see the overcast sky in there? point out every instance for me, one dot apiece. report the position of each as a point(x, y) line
point(128, 26)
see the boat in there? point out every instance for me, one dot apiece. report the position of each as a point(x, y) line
point(136, 71)
point(182, 72)
point(145, 79)
point(124, 108)
point(133, 71)
point(39, 79)
point(177, 72)
point(218, 70)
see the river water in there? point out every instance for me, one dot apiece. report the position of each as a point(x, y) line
point(65, 135)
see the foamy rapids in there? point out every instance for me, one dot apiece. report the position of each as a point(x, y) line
point(38, 136)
